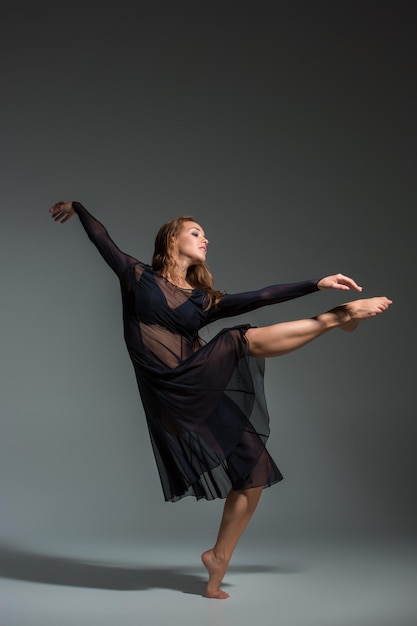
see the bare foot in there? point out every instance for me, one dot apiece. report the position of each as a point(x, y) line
point(216, 569)
point(359, 310)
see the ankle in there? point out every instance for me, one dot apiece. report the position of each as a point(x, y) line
point(334, 318)
point(220, 555)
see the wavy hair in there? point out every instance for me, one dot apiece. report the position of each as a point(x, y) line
point(163, 262)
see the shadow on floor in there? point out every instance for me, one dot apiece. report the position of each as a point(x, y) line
point(54, 570)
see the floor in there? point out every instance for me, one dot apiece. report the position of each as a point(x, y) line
point(297, 583)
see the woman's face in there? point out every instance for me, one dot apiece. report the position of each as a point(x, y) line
point(191, 244)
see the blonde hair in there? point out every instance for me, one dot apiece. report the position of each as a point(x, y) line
point(198, 276)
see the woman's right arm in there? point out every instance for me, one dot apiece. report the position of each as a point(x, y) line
point(97, 233)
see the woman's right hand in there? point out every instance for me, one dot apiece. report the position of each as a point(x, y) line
point(62, 211)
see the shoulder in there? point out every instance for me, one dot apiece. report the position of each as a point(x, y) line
point(136, 269)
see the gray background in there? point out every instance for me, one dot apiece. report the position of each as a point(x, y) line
point(288, 130)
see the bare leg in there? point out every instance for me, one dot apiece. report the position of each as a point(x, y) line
point(279, 339)
point(238, 509)
point(272, 341)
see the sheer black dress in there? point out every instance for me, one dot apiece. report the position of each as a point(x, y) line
point(205, 409)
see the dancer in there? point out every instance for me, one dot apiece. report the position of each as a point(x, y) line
point(204, 402)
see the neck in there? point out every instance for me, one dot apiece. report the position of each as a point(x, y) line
point(177, 274)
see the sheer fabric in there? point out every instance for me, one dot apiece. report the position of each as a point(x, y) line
point(206, 410)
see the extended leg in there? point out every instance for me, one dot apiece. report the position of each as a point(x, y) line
point(238, 510)
point(279, 339)
point(271, 341)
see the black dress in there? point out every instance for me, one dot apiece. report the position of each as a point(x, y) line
point(205, 409)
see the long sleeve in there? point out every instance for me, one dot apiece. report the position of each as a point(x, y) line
point(97, 233)
point(238, 303)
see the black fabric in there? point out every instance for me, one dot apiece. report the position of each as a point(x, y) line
point(205, 409)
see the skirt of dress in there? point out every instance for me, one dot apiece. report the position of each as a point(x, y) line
point(208, 420)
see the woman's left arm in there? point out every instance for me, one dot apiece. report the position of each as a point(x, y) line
point(238, 303)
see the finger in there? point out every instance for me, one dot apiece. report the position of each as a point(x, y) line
point(354, 285)
point(349, 282)
point(57, 212)
point(56, 206)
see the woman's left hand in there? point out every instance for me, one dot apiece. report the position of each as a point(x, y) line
point(338, 281)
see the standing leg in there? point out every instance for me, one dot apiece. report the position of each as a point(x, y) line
point(270, 341)
point(238, 509)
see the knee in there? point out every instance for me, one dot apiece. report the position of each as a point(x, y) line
point(241, 501)
point(247, 499)
point(254, 343)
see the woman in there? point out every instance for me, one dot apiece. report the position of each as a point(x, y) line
point(205, 404)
